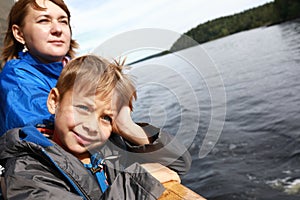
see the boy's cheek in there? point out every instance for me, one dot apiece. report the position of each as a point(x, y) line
point(105, 134)
point(74, 118)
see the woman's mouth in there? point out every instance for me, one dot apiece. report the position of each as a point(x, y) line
point(57, 42)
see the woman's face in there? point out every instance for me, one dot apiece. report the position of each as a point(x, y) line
point(47, 33)
point(82, 122)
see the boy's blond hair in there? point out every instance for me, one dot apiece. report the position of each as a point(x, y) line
point(92, 74)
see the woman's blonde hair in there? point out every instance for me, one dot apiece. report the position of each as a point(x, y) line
point(93, 74)
point(18, 12)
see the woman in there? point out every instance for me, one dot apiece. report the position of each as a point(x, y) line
point(37, 44)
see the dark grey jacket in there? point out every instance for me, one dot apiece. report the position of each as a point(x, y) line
point(37, 168)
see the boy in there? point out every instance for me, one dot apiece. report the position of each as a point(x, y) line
point(84, 159)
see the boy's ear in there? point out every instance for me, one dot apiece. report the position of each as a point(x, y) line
point(52, 101)
point(18, 34)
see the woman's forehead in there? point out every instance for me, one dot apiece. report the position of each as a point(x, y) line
point(50, 8)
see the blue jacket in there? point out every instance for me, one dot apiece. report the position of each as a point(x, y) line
point(24, 87)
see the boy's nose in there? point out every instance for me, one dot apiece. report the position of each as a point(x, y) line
point(92, 126)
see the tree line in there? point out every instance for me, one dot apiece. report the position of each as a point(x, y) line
point(268, 14)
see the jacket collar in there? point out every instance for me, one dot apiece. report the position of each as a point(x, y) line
point(49, 69)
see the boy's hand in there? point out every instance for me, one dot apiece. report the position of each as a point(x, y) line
point(125, 126)
point(161, 173)
point(122, 120)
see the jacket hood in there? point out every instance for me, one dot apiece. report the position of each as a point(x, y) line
point(19, 141)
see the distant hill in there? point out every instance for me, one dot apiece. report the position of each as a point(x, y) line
point(270, 13)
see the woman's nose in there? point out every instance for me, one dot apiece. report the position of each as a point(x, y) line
point(56, 28)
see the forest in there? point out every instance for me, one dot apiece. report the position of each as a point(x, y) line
point(271, 13)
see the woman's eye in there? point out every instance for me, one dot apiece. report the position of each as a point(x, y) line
point(66, 22)
point(43, 20)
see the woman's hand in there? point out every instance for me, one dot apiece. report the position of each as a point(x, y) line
point(161, 173)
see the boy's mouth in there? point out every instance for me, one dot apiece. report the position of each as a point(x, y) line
point(82, 139)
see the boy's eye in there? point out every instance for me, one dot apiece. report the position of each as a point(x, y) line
point(83, 107)
point(107, 118)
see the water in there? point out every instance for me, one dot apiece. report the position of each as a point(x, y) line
point(255, 81)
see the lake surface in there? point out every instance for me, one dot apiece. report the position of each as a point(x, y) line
point(235, 103)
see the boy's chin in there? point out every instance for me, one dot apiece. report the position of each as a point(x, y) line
point(94, 146)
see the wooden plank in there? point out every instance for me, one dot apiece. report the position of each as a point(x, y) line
point(177, 191)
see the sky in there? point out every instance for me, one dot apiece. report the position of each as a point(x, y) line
point(96, 21)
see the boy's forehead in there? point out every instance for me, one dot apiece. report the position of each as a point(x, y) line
point(96, 96)
point(84, 89)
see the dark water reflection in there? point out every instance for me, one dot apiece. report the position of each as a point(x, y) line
point(258, 153)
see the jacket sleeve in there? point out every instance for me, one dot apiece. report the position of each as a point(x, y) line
point(164, 149)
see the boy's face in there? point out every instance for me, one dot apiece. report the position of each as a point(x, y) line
point(82, 122)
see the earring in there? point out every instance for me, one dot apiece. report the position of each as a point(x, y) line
point(24, 48)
